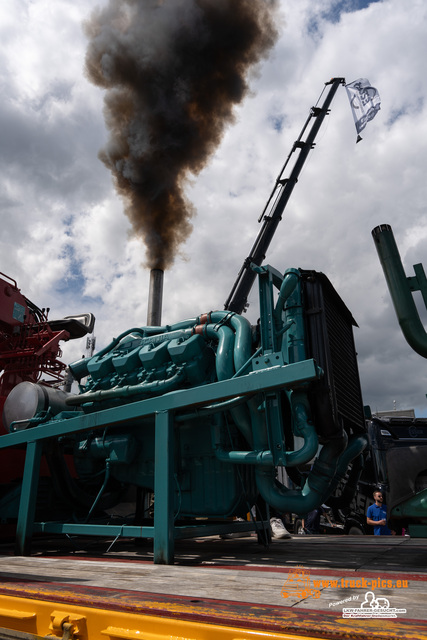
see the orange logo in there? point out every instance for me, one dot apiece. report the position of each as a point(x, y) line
point(298, 585)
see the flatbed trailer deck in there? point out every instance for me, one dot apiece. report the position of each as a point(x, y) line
point(232, 589)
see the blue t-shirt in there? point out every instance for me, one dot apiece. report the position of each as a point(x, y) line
point(375, 512)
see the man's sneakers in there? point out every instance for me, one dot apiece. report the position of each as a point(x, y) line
point(278, 529)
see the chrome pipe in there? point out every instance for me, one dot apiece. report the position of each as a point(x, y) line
point(155, 297)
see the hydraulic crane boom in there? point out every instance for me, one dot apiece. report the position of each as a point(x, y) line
point(237, 300)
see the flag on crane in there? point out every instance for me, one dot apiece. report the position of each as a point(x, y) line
point(364, 102)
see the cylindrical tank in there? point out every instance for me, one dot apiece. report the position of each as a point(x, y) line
point(28, 399)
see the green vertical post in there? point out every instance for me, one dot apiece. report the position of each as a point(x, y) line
point(268, 280)
point(164, 489)
point(27, 504)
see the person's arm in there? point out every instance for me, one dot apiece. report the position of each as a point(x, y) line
point(376, 523)
point(373, 523)
point(328, 518)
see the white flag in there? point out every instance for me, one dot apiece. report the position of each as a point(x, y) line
point(364, 101)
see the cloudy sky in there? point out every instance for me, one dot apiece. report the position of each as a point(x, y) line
point(66, 241)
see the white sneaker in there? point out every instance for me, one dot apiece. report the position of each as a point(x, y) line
point(278, 529)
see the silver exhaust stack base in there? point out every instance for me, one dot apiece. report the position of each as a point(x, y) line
point(155, 297)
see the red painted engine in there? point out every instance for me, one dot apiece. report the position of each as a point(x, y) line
point(30, 352)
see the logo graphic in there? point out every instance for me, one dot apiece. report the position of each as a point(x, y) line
point(298, 585)
point(372, 607)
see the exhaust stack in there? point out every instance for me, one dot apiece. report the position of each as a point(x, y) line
point(155, 297)
point(401, 288)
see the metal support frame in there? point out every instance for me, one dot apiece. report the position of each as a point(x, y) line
point(163, 409)
point(164, 489)
point(269, 281)
point(27, 503)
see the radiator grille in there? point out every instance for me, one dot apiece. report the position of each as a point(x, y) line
point(336, 399)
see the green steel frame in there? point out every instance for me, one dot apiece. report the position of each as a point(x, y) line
point(163, 408)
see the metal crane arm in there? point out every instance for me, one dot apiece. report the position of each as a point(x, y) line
point(237, 300)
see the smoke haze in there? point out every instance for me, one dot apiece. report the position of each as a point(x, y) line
point(173, 70)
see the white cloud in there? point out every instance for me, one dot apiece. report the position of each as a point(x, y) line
point(66, 240)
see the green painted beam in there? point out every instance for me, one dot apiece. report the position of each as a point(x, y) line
point(286, 376)
point(27, 503)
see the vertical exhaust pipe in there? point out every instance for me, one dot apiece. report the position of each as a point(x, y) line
point(155, 297)
point(400, 288)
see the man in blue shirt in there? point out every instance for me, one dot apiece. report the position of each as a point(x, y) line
point(376, 516)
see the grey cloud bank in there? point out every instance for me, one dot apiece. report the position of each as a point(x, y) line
point(67, 242)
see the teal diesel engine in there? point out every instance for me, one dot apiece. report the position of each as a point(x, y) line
point(211, 415)
point(148, 363)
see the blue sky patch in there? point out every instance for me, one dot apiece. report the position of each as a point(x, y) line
point(333, 14)
point(277, 122)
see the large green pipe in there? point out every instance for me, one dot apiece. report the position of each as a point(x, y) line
point(323, 478)
point(318, 485)
point(291, 458)
point(290, 281)
point(397, 282)
point(225, 366)
point(243, 341)
point(224, 362)
point(353, 454)
point(316, 488)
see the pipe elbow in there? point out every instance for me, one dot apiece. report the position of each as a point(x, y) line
point(414, 334)
point(400, 292)
point(243, 335)
point(303, 428)
point(316, 489)
point(287, 288)
point(281, 498)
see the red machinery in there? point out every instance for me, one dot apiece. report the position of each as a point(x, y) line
point(30, 352)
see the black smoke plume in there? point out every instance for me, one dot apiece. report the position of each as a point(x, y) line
point(173, 71)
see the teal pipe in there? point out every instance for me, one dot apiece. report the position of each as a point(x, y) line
point(287, 287)
point(157, 387)
point(224, 363)
point(248, 364)
point(244, 457)
point(243, 340)
point(304, 428)
point(403, 301)
point(294, 341)
point(316, 488)
point(323, 479)
point(353, 453)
